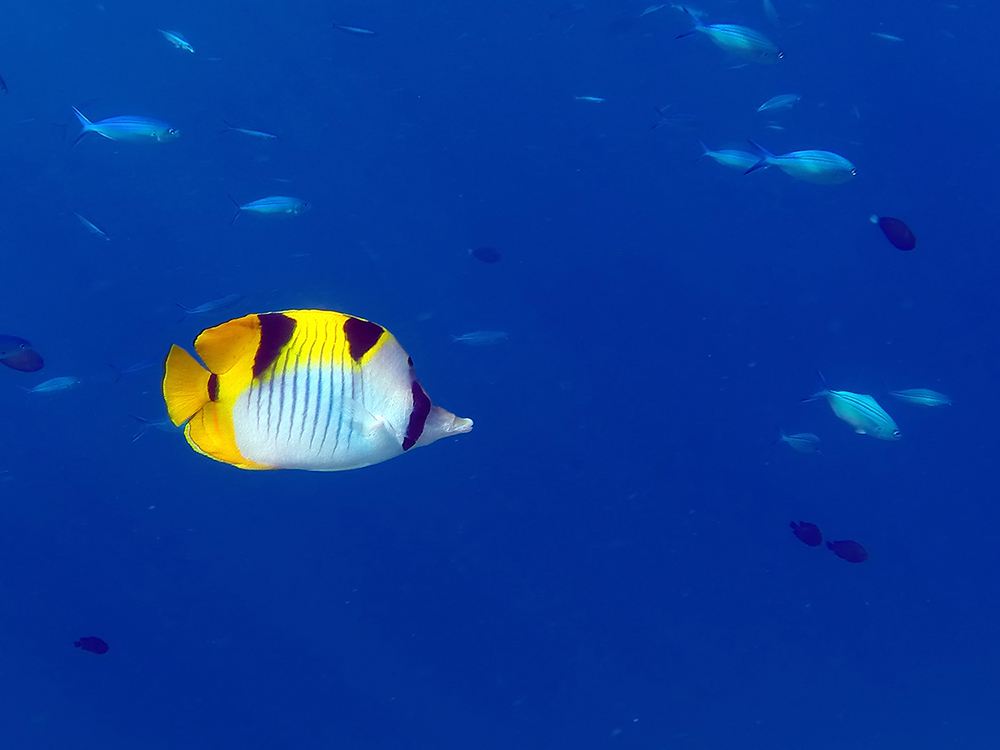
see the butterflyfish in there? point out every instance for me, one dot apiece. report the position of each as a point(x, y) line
point(301, 389)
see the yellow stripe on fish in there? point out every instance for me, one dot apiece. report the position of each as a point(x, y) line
point(301, 389)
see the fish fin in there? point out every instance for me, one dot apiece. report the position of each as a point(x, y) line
point(689, 32)
point(765, 157)
point(221, 348)
point(239, 208)
point(185, 385)
point(84, 122)
point(228, 128)
point(860, 430)
point(705, 150)
point(367, 423)
point(818, 395)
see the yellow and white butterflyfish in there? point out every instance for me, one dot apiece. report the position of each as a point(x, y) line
point(301, 389)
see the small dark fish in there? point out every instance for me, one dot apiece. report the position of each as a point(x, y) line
point(93, 644)
point(355, 30)
point(17, 354)
point(848, 550)
point(486, 254)
point(896, 231)
point(809, 533)
point(3, 85)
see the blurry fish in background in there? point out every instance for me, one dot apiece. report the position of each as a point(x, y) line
point(486, 254)
point(741, 160)
point(17, 354)
point(860, 411)
point(848, 550)
point(887, 37)
point(163, 424)
point(593, 99)
point(781, 101)
point(55, 384)
point(680, 121)
point(771, 13)
point(921, 397)
point(809, 533)
point(301, 389)
point(91, 227)
point(135, 367)
point(210, 306)
point(273, 205)
point(652, 9)
point(818, 167)
point(3, 85)
point(896, 231)
point(740, 41)
point(93, 644)
point(356, 30)
point(177, 40)
point(480, 338)
point(262, 134)
point(801, 442)
point(132, 128)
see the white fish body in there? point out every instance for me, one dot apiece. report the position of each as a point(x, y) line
point(802, 442)
point(177, 40)
point(862, 412)
point(781, 101)
point(55, 384)
point(740, 41)
point(921, 397)
point(480, 338)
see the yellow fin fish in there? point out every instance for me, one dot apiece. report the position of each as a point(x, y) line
point(301, 389)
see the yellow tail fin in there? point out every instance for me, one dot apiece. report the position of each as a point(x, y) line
point(185, 385)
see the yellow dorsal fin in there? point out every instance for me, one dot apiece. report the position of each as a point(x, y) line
point(185, 385)
point(221, 348)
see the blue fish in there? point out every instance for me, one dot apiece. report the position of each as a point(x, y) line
point(135, 128)
point(740, 41)
point(820, 167)
point(274, 205)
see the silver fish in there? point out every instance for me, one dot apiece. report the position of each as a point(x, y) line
point(677, 120)
point(740, 41)
point(652, 9)
point(802, 442)
point(253, 133)
point(921, 397)
point(55, 384)
point(480, 338)
point(781, 101)
point(127, 128)
point(91, 227)
point(211, 305)
point(177, 40)
point(741, 160)
point(354, 30)
point(820, 167)
point(772, 14)
point(273, 205)
point(594, 99)
point(860, 411)
point(887, 37)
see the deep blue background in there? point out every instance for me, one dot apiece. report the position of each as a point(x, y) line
point(605, 561)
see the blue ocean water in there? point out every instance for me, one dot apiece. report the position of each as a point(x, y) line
point(605, 561)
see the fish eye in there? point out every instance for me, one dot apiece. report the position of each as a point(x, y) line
point(896, 433)
point(781, 55)
point(854, 173)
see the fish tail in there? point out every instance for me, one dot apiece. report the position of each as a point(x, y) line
point(228, 128)
point(817, 395)
point(86, 124)
point(765, 157)
point(694, 19)
point(705, 150)
point(185, 385)
point(239, 208)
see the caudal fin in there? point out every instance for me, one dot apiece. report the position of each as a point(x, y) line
point(185, 385)
point(86, 124)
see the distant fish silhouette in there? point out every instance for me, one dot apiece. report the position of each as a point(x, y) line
point(809, 533)
point(93, 644)
point(848, 550)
